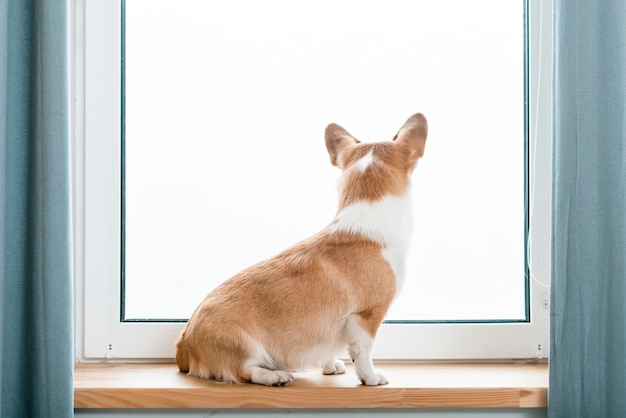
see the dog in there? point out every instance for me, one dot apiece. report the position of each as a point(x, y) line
point(304, 306)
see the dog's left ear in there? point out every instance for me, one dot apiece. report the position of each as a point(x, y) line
point(413, 133)
point(337, 141)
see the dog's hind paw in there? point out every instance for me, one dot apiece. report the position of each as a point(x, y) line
point(334, 367)
point(268, 377)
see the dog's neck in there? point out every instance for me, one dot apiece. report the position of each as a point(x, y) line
point(387, 221)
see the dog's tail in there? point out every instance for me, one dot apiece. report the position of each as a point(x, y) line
point(182, 354)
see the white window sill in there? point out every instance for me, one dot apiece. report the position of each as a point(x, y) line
point(411, 386)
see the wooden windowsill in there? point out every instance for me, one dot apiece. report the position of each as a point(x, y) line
point(411, 386)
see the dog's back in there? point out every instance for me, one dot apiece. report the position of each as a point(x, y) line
point(304, 306)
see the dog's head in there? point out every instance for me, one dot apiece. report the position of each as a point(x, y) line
point(374, 170)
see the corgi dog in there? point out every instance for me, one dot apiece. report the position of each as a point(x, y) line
point(306, 305)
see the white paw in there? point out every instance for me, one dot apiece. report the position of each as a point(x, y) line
point(334, 367)
point(374, 379)
point(268, 377)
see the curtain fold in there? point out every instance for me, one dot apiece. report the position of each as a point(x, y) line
point(36, 360)
point(588, 322)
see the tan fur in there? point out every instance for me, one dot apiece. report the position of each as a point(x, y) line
point(300, 307)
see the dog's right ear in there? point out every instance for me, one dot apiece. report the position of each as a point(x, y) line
point(337, 141)
point(413, 134)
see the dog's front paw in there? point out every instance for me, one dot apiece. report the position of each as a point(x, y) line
point(334, 367)
point(374, 379)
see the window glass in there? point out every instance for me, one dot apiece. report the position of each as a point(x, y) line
point(224, 158)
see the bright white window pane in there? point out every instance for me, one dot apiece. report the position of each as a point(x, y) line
point(226, 104)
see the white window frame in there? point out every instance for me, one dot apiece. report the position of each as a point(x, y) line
point(97, 214)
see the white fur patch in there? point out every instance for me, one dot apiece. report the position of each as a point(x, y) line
point(388, 222)
point(365, 161)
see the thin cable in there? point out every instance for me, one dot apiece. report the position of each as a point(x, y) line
point(535, 135)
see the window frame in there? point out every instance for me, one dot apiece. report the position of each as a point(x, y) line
point(101, 335)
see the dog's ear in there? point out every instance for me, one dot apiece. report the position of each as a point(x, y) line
point(413, 135)
point(337, 141)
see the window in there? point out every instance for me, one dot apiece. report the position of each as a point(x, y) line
point(508, 289)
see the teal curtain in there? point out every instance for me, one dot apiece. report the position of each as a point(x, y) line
point(36, 360)
point(588, 322)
